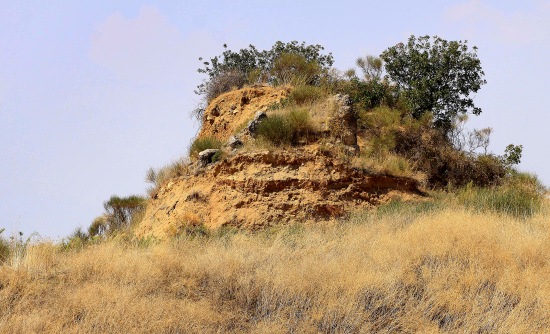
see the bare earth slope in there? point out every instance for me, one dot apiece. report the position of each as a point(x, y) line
point(264, 187)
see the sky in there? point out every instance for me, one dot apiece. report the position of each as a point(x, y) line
point(94, 93)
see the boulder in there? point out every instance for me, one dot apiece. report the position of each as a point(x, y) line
point(234, 142)
point(253, 124)
point(343, 121)
point(205, 157)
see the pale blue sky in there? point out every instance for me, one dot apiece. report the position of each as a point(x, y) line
point(93, 93)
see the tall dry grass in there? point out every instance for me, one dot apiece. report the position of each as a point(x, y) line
point(430, 269)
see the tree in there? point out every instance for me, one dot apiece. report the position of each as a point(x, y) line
point(121, 210)
point(435, 75)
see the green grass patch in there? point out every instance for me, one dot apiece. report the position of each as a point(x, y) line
point(286, 128)
point(204, 143)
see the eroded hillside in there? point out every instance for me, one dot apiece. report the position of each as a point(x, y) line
point(254, 186)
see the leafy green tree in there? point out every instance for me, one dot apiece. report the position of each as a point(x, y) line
point(437, 76)
point(512, 155)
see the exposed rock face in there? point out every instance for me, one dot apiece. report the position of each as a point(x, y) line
point(234, 142)
point(253, 124)
point(343, 123)
point(205, 157)
point(262, 188)
point(267, 188)
point(232, 111)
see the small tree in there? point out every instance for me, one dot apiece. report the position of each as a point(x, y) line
point(436, 76)
point(121, 210)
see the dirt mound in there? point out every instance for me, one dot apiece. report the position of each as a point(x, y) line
point(231, 111)
point(262, 187)
point(266, 188)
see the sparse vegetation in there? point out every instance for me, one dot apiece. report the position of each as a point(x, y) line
point(285, 63)
point(157, 178)
point(4, 247)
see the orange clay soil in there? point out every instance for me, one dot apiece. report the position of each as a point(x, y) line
point(231, 111)
point(261, 187)
point(258, 189)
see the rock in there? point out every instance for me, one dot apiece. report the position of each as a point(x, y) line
point(253, 124)
point(343, 122)
point(234, 142)
point(215, 111)
point(260, 115)
point(205, 157)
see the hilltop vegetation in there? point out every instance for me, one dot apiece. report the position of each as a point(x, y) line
point(459, 245)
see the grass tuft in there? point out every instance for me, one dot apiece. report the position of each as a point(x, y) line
point(286, 128)
point(203, 143)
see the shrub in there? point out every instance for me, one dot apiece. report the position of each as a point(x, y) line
point(276, 130)
point(368, 94)
point(306, 94)
point(286, 128)
point(444, 165)
point(381, 124)
point(520, 196)
point(217, 156)
point(99, 226)
point(224, 82)
point(192, 231)
point(77, 240)
point(203, 143)
point(427, 148)
point(122, 211)
point(294, 69)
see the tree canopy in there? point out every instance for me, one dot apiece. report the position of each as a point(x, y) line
point(435, 75)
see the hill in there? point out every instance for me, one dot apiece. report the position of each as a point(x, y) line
point(253, 185)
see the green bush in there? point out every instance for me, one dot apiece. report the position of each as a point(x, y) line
point(204, 143)
point(305, 94)
point(77, 240)
point(381, 123)
point(192, 231)
point(368, 94)
point(276, 129)
point(286, 128)
point(520, 196)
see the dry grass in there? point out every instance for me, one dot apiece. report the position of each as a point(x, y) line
point(436, 270)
